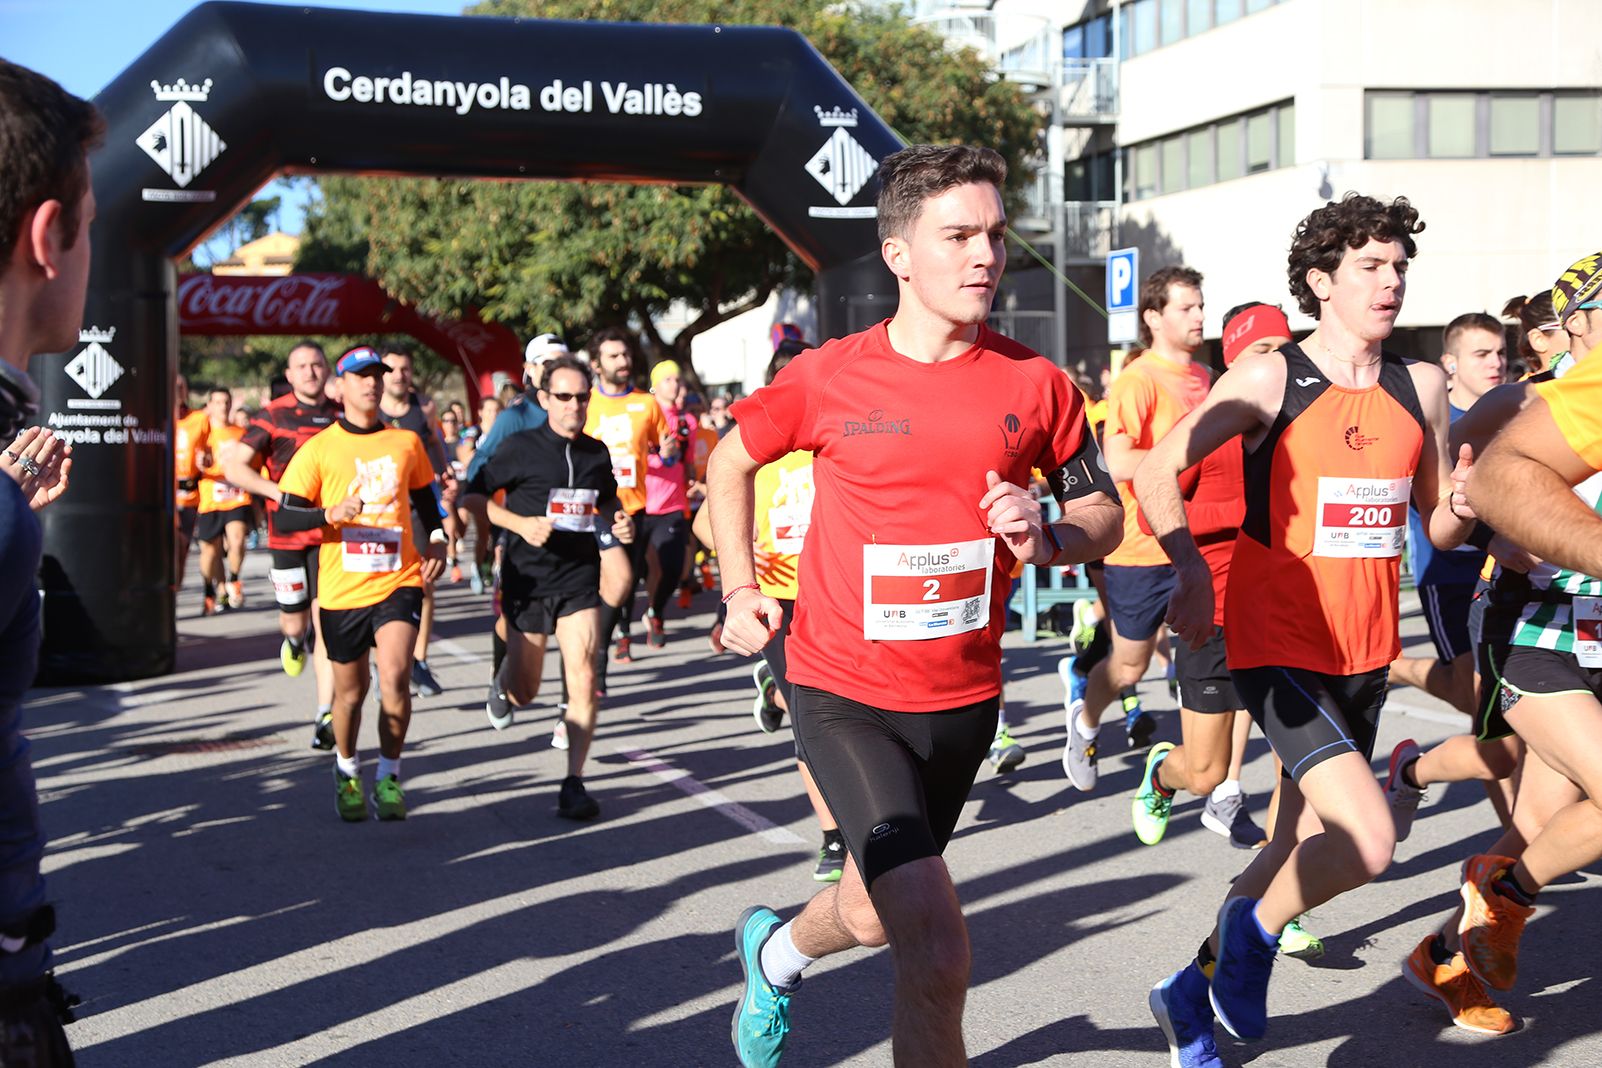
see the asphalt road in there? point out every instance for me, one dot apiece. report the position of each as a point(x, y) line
point(214, 910)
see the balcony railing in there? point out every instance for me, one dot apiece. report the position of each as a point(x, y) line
point(1021, 48)
point(1089, 89)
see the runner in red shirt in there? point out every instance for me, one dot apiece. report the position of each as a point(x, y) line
point(923, 430)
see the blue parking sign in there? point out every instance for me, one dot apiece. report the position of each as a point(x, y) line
point(1123, 275)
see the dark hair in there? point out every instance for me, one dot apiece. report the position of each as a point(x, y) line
point(917, 173)
point(615, 333)
point(1237, 309)
point(1532, 312)
point(308, 343)
point(400, 348)
point(564, 363)
point(1154, 293)
point(46, 134)
point(1471, 321)
point(224, 390)
point(787, 350)
point(1324, 236)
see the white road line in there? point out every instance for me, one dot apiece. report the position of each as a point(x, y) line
point(692, 787)
point(1434, 715)
point(457, 650)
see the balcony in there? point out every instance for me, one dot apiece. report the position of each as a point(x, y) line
point(1021, 48)
point(1089, 92)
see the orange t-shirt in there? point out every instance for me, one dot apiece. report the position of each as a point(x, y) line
point(702, 442)
point(367, 559)
point(189, 436)
point(629, 425)
point(217, 494)
point(1575, 401)
point(1143, 404)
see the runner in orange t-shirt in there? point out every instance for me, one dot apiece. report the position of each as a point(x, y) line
point(189, 429)
point(1339, 436)
point(1145, 401)
point(225, 514)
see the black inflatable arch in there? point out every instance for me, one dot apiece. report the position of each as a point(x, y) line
point(236, 92)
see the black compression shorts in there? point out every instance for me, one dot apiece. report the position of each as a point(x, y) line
point(1205, 684)
point(1491, 629)
point(534, 613)
point(212, 525)
point(348, 633)
point(1308, 716)
point(895, 781)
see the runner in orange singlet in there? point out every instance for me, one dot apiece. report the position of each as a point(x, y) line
point(225, 515)
point(1339, 436)
point(189, 429)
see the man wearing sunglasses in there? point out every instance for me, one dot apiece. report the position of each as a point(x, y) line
point(562, 513)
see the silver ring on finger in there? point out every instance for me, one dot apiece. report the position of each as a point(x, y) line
point(27, 464)
point(12, 456)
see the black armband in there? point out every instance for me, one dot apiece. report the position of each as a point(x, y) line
point(425, 503)
point(1084, 473)
point(1480, 537)
point(296, 513)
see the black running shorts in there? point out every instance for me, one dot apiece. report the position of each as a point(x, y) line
point(294, 577)
point(187, 517)
point(1531, 672)
point(1308, 716)
point(350, 632)
point(1205, 684)
point(1137, 598)
point(534, 613)
point(211, 525)
point(895, 781)
point(1491, 629)
point(773, 653)
point(1446, 611)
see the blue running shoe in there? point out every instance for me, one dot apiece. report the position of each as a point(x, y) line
point(1072, 681)
point(1239, 991)
point(1179, 1004)
point(762, 1018)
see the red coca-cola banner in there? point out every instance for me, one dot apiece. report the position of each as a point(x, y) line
point(313, 304)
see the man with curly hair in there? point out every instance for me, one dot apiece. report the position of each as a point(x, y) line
point(1339, 436)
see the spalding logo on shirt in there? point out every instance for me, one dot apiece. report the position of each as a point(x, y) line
point(876, 423)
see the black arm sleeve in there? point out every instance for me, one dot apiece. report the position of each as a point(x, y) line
point(1480, 537)
point(1084, 473)
point(296, 514)
point(425, 505)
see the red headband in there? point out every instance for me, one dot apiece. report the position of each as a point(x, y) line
point(1252, 325)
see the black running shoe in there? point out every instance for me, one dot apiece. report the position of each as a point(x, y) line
point(574, 802)
point(323, 731)
point(423, 680)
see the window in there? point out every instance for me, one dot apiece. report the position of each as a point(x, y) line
point(1142, 26)
point(1576, 125)
point(1199, 157)
point(1259, 144)
point(1451, 125)
point(1098, 37)
point(1515, 125)
point(1254, 6)
point(1173, 155)
point(1145, 171)
point(1198, 16)
point(1171, 20)
point(1390, 126)
point(1230, 163)
point(1285, 145)
point(1073, 42)
point(1225, 11)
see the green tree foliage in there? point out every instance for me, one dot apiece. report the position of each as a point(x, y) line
point(571, 257)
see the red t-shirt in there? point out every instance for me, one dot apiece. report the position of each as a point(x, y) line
point(900, 454)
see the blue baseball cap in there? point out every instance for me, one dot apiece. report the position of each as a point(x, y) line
point(361, 360)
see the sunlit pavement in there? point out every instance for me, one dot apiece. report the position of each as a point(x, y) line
point(215, 910)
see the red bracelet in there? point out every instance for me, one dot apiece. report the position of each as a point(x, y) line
point(1056, 546)
point(727, 597)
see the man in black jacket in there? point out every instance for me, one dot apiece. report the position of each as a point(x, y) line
point(559, 486)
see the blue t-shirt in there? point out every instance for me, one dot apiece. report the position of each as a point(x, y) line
point(524, 414)
point(1431, 566)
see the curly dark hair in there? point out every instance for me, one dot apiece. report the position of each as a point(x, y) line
point(1324, 236)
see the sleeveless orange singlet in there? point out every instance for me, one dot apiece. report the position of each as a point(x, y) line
point(1316, 572)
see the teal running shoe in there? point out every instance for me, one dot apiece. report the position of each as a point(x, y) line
point(1150, 809)
point(762, 1018)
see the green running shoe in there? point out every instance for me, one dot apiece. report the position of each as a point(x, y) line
point(389, 799)
point(1149, 808)
point(762, 1018)
point(348, 800)
point(1083, 631)
point(1005, 753)
point(291, 659)
point(1296, 941)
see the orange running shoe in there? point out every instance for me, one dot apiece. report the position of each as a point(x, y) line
point(686, 592)
point(1455, 987)
point(208, 606)
point(1491, 923)
point(622, 653)
point(236, 594)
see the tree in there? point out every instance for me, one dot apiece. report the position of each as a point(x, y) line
point(570, 257)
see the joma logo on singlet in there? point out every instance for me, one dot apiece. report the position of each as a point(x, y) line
point(876, 423)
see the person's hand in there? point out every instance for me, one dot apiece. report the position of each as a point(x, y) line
point(1190, 608)
point(1460, 474)
point(1012, 512)
point(39, 463)
point(536, 529)
point(345, 510)
point(623, 528)
point(449, 487)
point(434, 562)
point(1511, 556)
point(750, 621)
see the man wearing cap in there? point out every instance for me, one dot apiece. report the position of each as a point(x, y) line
point(1208, 759)
point(667, 502)
point(362, 482)
point(632, 425)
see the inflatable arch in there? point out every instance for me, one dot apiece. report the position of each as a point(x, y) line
point(237, 92)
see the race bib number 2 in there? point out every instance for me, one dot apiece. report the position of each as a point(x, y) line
point(918, 592)
point(1361, 516)
point(1588, 631)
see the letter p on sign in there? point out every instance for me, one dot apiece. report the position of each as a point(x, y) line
point(1123, 268)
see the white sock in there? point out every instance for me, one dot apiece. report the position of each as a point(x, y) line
point(323, 710)
point(388, 767)
point(1087, 733)
point(782, 963)
point(1227, 788)
point(350, 766)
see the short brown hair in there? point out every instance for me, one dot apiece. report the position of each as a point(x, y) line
point(1154, 293)
point(1471, 321)
point(45, 136)
point(1353, 221)
point(564, 363)
point(918, 173)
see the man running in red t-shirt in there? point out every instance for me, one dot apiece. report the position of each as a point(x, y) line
point(923, 430)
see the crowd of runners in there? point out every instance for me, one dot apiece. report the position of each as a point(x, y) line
point(872, 507)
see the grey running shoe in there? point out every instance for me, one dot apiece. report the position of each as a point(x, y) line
point(765, 709)
point(1079, 755)
point(498, 706)
point(1230, 819)
point(1403, 798)
point(559, 732)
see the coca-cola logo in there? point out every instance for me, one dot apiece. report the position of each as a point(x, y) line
point(293, 302)
point(473, 338)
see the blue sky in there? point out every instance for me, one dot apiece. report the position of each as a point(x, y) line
point(49, 37)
